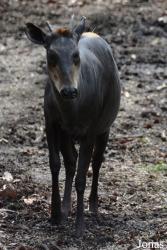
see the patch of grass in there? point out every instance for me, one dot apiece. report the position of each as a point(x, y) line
point(144, 140)
point(159, 167)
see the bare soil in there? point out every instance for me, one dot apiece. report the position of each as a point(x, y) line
point(133, 180)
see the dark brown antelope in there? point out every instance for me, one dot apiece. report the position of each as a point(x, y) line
point(81, 102)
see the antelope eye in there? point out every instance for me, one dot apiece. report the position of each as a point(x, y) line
point(52, 58)
point(76, 58)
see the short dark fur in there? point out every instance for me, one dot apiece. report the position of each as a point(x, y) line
point(87, 117)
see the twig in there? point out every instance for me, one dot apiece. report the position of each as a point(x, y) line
point(2, 210)
point(128, 136)
point(3, 140)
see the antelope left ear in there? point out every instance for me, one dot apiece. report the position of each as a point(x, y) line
point(80, 28)
point(35, 34)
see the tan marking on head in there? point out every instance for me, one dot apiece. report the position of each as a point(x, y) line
point(58, 79)
point(75, 75)
point(90, 34)
point(55, 75)
point(63, 32)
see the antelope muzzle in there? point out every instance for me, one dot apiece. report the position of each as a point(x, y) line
point(69, 92)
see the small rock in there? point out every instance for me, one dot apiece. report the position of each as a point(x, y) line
point(163, 135)
point(126, 94)
point(2, 47)
point(162, 20)
point(133, 56)
point(7, 176)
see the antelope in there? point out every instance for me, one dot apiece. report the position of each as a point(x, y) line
point(81, 101)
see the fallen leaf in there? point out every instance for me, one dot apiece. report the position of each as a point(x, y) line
point(126, 140)
point(157, 120)
point(29, 201)
point(149, 114)
point(148, 125)
point(161, 87)
point(155, 41)
point(8, 191)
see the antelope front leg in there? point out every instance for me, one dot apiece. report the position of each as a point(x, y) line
point(70, 157)
point(52, 133)
point(100, 145)
point(85, 154)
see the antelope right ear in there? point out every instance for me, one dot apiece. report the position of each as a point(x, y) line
point(80, 28)
point(35, 34)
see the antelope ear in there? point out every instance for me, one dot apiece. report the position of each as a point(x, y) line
point(35, 34)
point(80, 28)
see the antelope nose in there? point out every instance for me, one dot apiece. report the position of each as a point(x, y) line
point(69, 92)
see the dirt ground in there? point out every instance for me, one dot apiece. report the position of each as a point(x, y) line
point(133, 180)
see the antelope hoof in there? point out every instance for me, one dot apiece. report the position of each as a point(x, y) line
point(80, 228)
point(93, 206)
point(55, 220)
point(66, 211)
